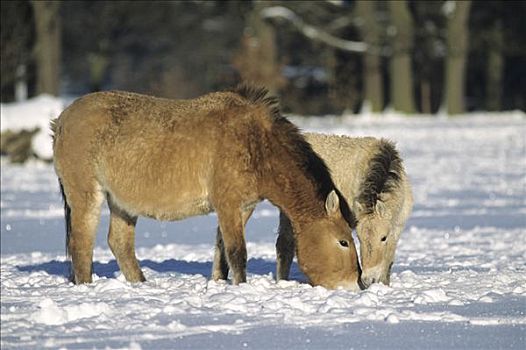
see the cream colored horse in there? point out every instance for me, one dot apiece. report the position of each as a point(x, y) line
point(171, 159)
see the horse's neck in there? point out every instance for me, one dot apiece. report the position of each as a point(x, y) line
point(294, 193)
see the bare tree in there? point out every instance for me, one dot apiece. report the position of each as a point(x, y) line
point(402, 96)
point(16, 44)
point(457, 13)
point(48, 49)
point(340, 85)
point(401, 42)
point(371, 33)
point(257, 60)
point(313, 32)
point(495, 65)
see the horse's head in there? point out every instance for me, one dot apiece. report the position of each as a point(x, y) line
point(326, 251)
point(377, 244)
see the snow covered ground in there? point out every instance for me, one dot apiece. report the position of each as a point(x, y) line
point(459, 279)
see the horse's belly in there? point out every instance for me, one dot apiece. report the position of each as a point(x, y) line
point(167, 207)
point(178, 211)
point(161, 194)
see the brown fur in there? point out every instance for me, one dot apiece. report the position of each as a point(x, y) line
point(171, 159)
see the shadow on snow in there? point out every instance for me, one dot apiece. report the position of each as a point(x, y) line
point(109, 269)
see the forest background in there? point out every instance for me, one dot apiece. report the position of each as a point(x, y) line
point(319, 57)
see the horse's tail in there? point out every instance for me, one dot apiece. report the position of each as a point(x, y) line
point(67, 216)
point(53, 127)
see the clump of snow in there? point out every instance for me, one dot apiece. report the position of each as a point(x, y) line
point(51, 314)
point(431, 296)
point(35, 112)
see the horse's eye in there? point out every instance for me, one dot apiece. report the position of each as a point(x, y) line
point(344, 243)
point(384, 238)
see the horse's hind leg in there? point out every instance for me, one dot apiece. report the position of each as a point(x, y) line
point(284, 248)
point(121, 239)
point(85, 212)
point(220, 266)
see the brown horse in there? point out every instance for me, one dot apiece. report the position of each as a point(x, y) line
point(171, 159)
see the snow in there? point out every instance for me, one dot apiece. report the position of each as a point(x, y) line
point(458, 281)
point(36, 112)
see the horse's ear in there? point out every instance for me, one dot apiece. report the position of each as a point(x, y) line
point(357, 208)
point(332, 204)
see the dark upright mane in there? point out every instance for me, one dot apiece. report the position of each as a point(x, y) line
point(383, 175)
point(259, 96)
point(292, 139)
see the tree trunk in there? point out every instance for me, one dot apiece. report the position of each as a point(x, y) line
point(257, 60)
point(494, 69)
point(98, 64)
point(457, 48)
point(402, 95)
point(425, 99)
point(47, 47)
point(374, 97)
point(21, 91)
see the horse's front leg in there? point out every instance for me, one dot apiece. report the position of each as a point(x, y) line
point(121, 239)
point(232, 232)
point(220, 265)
